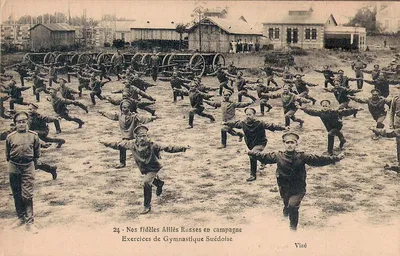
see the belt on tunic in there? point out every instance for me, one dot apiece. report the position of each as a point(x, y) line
point(21, 161)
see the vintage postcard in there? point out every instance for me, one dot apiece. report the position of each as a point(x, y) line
point(199, 127)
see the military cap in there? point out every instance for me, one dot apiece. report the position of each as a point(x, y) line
point(298, 75)
point(252, 109)
point(322, 101)
point(375, 90)
point(34, 105)
point(260, 80)
point(376, 65)
point(394, 61)
point(18, 114)
point(141, 129)
point(290, 136)
point(240, 73)
point(287, 85)
point(125, 101)
point(340, 71)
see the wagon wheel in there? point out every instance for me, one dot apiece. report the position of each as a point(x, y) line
point(106, 59)
point(74, 59)
point(26, 58)
point(115, 60)
point(137, 57)
point(218, 59)
point(165, 59)
point(61, 58)
point(50, 57)
point(98, 56)
point(84, 58)
point(197, 64)
point(146, 59)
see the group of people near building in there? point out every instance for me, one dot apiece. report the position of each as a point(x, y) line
point(30, 129)
point(242, 46)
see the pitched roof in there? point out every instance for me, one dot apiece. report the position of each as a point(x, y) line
point(231, 26)
point(154, 24)
point(122, 25)
point(55, 27)
point(311, 18)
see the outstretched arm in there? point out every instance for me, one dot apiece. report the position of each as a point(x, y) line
point(126, 144)
point(315, 160)
point(369, 81)
point(311, 112)
point(265, 158)
point(349, 111)
point(359, 100)
point(171, 149)
point(113, 116)
point(212, 103)
point(237, 124)
point(274, 127)
point(387, 133)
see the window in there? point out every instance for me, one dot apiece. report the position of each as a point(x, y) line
point(123, 36)
point(295, 35)
point(289, 35)
point(308, 34)
point(271, 33)
point(276, 33)
point(386, 23)
point(314, 34)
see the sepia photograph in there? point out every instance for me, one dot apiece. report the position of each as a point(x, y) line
point(181, 127)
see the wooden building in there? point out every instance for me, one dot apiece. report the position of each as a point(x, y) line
point(311, 30)
point(216, 34)
point(149, 30)
point(160, 34)
point(52, 36)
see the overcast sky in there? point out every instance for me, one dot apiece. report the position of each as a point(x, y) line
point(254, 11)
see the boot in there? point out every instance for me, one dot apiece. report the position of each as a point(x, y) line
point(191, 119)
point(293, 217)
point(60, 143)
point(147, 199)
point(285, 211)
point(54, 173)
point(122, 158)
point(81, 123)
point(159, 184)
point(331, 142)
point(120, 166)
point(253, 169)
point(223, 140)
point(342, 142)
point(269, 108)
point(29, 210)
point(287, 121)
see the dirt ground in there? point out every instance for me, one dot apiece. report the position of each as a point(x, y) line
point(351, 208)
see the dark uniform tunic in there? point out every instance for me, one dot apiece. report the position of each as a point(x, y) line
point(22, 150)
point(291, 171)
point(382, 85)
point(254, 131)
point(375, 106)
